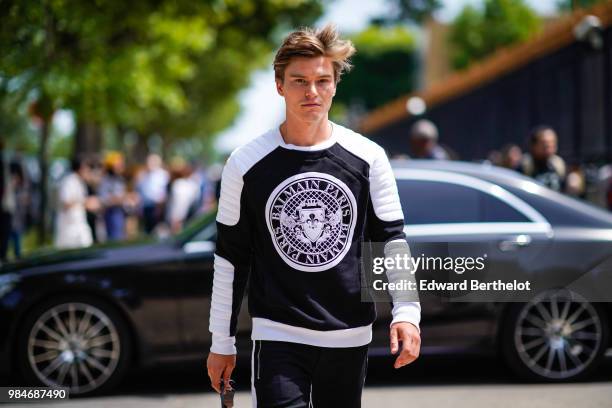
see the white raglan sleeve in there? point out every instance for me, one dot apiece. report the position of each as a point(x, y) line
point(386, 225)
point(232, 260)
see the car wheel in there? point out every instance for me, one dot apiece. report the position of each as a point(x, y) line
point(557, 336)
point(77, 342)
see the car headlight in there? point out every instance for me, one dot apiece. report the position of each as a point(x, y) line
point(7, 283)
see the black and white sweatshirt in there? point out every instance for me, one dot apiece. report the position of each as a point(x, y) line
point(294, 219)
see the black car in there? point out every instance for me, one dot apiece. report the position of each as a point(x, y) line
point(82, 318)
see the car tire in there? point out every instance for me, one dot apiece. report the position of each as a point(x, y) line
point(79, 342)
point(556, 337)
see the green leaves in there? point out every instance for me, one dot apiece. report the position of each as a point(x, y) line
point(477, 33)
point(376, 40)
point(385, 67)
point(412, 11)
point(168, 67)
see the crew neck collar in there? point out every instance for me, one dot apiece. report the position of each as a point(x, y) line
point(330, 141)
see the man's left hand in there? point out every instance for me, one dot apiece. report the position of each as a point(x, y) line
point(410, 338)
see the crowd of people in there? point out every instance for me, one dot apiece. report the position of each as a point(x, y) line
point(542, 162)
point(539, 161)
point(105, 200)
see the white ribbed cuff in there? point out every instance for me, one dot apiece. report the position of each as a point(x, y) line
point(407, 312)
point(223, 344)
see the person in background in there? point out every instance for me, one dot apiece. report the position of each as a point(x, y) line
point(72, 230)
point(112, 193)
point(424, 141)
point(576, 181)
point(542, 162)
point(7, 203)
point(511, 157)
point(152, 186)
point(214, 176)
point(493, 157)
point(206, 200)
point(184, 193)
point(94, 177)
point(22, 203)
point(131, 204)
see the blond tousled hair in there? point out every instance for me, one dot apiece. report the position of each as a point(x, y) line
point(308, 42)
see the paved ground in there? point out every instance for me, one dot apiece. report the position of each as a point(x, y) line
point(438, 382)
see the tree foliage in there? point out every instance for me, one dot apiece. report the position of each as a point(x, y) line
point(478, 32)
point(412, 11)
point(149, 65)
point(385, 67)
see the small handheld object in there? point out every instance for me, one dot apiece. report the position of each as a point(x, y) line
point(227, 395)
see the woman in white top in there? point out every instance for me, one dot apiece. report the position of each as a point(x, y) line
point(184, 195)
point(72, 230)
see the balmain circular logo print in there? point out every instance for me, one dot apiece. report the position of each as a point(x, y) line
point(311, 217)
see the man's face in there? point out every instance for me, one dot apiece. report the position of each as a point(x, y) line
point(546, 145)
point(422, 146)
point(119, 166)
point(85, 172)
point(308, 88)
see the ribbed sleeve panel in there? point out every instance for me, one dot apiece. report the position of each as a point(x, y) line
point(232, 257)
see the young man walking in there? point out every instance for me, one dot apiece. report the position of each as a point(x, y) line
point(296, 204)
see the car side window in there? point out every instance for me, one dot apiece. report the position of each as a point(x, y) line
point(495, 210)
point(436, 202)
point(433, 202)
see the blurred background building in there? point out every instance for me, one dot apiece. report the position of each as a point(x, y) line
point(561, 77)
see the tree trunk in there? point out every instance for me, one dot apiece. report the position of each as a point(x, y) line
point(88, 139)
point(166, 146)
point(140, 149)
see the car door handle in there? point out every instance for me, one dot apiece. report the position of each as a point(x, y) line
point(514, 243)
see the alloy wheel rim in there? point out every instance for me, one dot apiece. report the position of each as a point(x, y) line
point(73, 345)
point(558, 334)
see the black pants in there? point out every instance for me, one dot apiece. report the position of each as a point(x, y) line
point(292, 375)
point(151, 217)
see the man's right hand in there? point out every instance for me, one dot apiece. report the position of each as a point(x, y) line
point(220, 366)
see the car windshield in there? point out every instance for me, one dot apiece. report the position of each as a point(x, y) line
point(195, 225)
